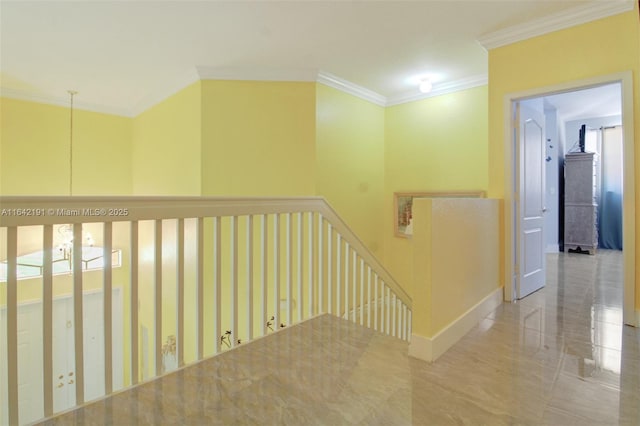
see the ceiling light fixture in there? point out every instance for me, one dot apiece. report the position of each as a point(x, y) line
point(425, 86)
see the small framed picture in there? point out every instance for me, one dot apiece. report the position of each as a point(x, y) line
point(403, 207)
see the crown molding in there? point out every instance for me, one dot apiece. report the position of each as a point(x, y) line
point(440, 89)
point(559, 21)
point(203, 73)
point(351, 88)
point(63, 101)
point(182, 81)
point(222, 73)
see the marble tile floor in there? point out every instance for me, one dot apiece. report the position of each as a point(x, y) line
point(558, 357)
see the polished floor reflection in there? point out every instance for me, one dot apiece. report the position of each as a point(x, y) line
point(559, 357)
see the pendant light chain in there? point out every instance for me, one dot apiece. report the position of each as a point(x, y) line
point(71, 94)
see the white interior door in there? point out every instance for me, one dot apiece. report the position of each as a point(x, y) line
point(530, 145)
point(30, 368)
point(29, 380)
point(64, 391)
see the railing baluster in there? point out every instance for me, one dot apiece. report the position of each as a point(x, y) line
point(289, 265)
point(133, 308)
point(108, 306)
point(234, 281)
point(343, 250)
point(276, 269)
point(346, 280)
point(387, 308)
point(368, 300)
point(180, 292)
point(354, 287)
point(200, 287)
point(408, 326)
point(217, 285)
point(397, 316)
point(381, 308)
point(47, 319)
point(375, 303)
point(78, 320)
point(264, 271)
point(310, 310)
point(400, 320)
point(394, 316)
point(320, 266)
point(158, 296)
point(299, 270)
point(338, 273)
point(12, 323)
point(404, 322)
point(329, 269)
point(250, 277)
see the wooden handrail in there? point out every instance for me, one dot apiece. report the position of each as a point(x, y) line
point(50, 210)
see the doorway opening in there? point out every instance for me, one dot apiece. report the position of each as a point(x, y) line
point(598, 104)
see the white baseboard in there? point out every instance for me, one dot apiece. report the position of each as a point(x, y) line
point(430, 348)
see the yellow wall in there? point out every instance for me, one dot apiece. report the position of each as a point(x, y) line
point(436, 144)
point(291, 138)
point(350, 162)
point(598, 48)
point(258, 138)
point(166, 160)
point(166, 146)
point(34, 160)
point(34, 157)
point(451, 277)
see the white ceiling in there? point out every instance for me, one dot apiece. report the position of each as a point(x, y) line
point(122, 56)
point(601, 101)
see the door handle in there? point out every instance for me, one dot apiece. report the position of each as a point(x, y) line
point(544, 209)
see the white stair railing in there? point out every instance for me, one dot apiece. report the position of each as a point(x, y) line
point(200, 275)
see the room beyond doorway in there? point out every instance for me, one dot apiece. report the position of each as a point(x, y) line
point(598, 112)
point(512, 168)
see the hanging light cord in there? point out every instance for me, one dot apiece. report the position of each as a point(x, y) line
point(71, 94)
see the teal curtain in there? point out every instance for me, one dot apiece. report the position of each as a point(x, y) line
point(610, 191)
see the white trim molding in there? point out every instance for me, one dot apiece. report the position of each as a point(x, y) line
point(575, 16)
point(440, 89)
point(351, 88)
point(181, 82)
point(431, 348)
point(196, 74)
point(62, 101)
point(223, 73)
